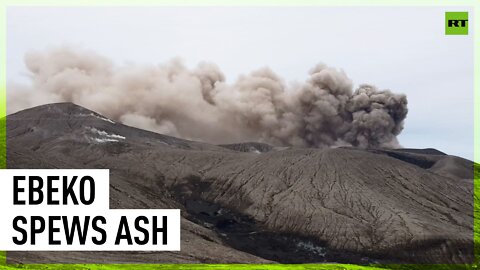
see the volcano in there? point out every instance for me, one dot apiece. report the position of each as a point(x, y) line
point(256, 203)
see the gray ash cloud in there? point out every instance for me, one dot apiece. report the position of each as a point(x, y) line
point(199, 104)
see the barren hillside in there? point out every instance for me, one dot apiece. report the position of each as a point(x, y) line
point(255, 203)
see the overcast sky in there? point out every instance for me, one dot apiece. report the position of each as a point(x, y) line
point(402, 49)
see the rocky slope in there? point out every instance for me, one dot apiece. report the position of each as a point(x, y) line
point(254, 203)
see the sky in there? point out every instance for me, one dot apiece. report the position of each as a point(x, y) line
point(403, 49)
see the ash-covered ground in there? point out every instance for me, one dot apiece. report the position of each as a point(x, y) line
point(256, 203)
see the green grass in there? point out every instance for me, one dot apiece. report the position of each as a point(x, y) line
point(231, 266)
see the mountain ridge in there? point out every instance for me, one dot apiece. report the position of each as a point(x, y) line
point(278, 204)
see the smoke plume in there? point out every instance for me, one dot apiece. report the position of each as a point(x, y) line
point(198, 104)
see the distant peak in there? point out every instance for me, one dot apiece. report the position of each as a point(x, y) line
point(61, 107)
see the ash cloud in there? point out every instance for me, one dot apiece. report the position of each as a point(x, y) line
point(198, 104)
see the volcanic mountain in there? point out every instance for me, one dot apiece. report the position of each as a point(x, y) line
point(256, 203)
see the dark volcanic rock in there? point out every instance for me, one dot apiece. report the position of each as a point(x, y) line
point(238, 205)
point(249, 147)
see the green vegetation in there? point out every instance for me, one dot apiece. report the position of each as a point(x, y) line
point(230, 266)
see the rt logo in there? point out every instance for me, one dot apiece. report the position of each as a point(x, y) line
point(456, 23)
